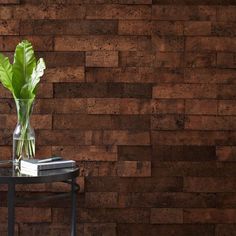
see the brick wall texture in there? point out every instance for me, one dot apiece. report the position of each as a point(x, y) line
point(142, 94)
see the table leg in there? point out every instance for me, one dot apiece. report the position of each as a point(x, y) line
point(11, 210)
point(73, 207)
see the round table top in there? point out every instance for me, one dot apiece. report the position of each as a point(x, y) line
point(10, 174)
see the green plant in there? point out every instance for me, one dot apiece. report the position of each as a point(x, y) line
point(22, 79)
point(23, 76)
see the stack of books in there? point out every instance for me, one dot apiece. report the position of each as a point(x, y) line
point(38, 166)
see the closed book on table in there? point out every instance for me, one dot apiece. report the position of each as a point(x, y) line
point(30, 172)
point(35, 165)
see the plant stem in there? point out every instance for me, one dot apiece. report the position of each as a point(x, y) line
point(25, 145)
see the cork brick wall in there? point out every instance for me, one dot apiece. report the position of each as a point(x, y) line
point(142, 94)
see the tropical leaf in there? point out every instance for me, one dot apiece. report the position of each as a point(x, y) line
point(6, 73)
point(23, 65)
point(29, 89)
point(37, 73)
point(23, 76)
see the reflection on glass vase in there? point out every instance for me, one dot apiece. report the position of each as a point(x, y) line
point(23, 136)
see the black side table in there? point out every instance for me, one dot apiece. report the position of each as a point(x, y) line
point(11, 177)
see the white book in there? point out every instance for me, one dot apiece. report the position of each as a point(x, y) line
point(35, 165)
point(30, 172)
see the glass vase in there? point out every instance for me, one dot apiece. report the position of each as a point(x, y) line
point(23, 136)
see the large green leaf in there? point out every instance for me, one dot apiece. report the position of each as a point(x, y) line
point(37, 73)
point(24, 63)
point(29, 89)
point(6, 73)
point(23, 76)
